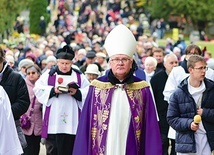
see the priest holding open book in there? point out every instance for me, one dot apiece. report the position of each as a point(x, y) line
point(62, 91)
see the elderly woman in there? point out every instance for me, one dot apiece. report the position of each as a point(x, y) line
point(33, 133)
point(150, 66)
point(92, 72)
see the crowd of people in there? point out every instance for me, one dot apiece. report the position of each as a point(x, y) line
point(96, 84)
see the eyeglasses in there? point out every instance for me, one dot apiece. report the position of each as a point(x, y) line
point(31, 73)
point(202, 68)
point(123, 60)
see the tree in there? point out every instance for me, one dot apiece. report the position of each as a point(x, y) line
point(198, 12)
point(9, 9)
point(37, 9)
point(159, 8)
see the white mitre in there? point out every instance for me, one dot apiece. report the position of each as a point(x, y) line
point(120, 41)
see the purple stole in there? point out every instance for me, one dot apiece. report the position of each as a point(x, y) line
point(51, 82)
point(101, 107)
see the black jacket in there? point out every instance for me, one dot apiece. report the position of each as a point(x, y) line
point(181, 111)
point(17, 91)
point(158, 82)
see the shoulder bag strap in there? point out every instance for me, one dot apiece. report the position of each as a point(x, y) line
point(32, 107)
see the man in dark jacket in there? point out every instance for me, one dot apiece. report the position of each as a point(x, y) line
point(194, 96)
point(16, 88)
point(158, 54)
point(90, 58)
point(158, 82)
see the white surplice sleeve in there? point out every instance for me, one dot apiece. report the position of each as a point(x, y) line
point(42, 89)
point(84, 90)
point(210, 74)
point(174, 79)
point(9, 141)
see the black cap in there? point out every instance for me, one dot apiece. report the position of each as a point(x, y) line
point(65, 53)
point(90, 54)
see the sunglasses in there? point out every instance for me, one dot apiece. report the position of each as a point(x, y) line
point(31, 73)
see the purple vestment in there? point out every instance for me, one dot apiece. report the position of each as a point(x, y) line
point(143, 136)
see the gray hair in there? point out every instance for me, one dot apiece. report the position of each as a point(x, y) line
point(169, 55)
point(151, 59)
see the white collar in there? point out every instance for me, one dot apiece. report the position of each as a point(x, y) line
point(198, 90)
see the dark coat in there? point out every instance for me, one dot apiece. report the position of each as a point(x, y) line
point(83, 68)
point(17, 91)
point(158, 82)
point(181, 111)
point(159, 67)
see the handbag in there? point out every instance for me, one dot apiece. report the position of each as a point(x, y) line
point(25, 119)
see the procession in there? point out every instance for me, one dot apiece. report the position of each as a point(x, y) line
point(94, 77)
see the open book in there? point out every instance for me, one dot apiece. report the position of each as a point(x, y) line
point(64, 88)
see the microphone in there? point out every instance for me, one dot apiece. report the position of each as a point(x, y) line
point(197, 119)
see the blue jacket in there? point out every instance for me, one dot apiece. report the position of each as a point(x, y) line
point(181, 111)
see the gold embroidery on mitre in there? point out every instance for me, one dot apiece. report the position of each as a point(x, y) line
point(101, 85)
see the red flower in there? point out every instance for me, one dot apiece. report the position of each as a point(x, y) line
point(60, 80)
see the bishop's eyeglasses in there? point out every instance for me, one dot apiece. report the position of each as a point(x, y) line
point(123, 60)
